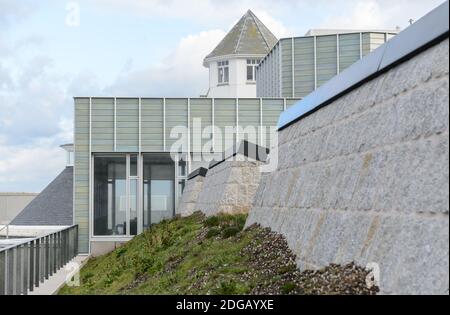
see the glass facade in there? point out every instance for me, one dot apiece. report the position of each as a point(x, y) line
point(131, 192)
point(113, 137)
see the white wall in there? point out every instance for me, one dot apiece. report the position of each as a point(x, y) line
point(237, 85)
point(12, 203)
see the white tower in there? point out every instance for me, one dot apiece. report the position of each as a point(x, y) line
point(232, 63)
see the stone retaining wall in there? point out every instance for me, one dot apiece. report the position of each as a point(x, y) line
point(366, 179)
point(188, 203)
point(229, 187)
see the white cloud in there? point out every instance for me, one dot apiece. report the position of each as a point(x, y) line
point(13, 10)
point(215, 13)
point(34, 164)
point(181, 73)
point(274, 25)
point(36, 97)
point(379, 14)
point(296, 14)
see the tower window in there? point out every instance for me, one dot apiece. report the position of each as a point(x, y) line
point(251, 69)
point(223, 72)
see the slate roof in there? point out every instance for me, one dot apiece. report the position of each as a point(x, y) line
point(53, 206)
point(248, 37)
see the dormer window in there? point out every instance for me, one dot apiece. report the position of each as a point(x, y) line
point(223, 72)
point(251, 69)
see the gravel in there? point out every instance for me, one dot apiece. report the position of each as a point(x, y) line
point(270, 258)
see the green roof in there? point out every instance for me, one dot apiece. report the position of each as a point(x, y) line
point(248, 37)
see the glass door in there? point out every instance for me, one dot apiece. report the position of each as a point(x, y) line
point(158, 188)
point(110, 195)
point(115, 198)
point(133, 193)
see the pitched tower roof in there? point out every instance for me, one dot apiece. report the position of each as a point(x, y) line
point(248, 37)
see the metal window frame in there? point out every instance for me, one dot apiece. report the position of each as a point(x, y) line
point(164, 126)
point(91, 184)
point(360, 45)
point(315, 62)
point(280, 66)
point(338, 57)
point(213, 132)
point(128, 178)
point(140, 125)
point(115, 124)
point(260, 120)
point(293, 66)
point(188, 153)
point(237, 120)
point(222, 65)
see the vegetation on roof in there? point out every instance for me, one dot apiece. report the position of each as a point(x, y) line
point(198, 255)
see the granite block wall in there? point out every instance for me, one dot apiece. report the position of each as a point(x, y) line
point(188, 203)
point(229, 187)
point(366, 179)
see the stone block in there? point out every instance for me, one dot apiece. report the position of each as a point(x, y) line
point(366, 179)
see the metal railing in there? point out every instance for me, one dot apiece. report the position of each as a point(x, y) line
point(7, 229)
point(24, 265)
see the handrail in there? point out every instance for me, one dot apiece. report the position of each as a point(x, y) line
point(26, 264)
point(29, 239)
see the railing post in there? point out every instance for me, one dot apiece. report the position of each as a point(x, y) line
point(76, 240)
point(17, 270)
point(26, 263)
point(47, 257)
point(41, 259)
point(10, 272)
point(54, 269)
point(32, 264)
point(37, 266)
point(59, 250)
point(63, 248)
point(50, 254)
point(3, 273)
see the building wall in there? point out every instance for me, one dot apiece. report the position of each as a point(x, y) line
point(12, 203)
point(237, 86)
point(297, 66)
point(366, 179)
point(131, 125)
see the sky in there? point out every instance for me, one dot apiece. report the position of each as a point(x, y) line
point(53, 50)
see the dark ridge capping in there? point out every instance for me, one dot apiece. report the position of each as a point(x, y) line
point(244, 148)
point(201, 171)
point(423, 34)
